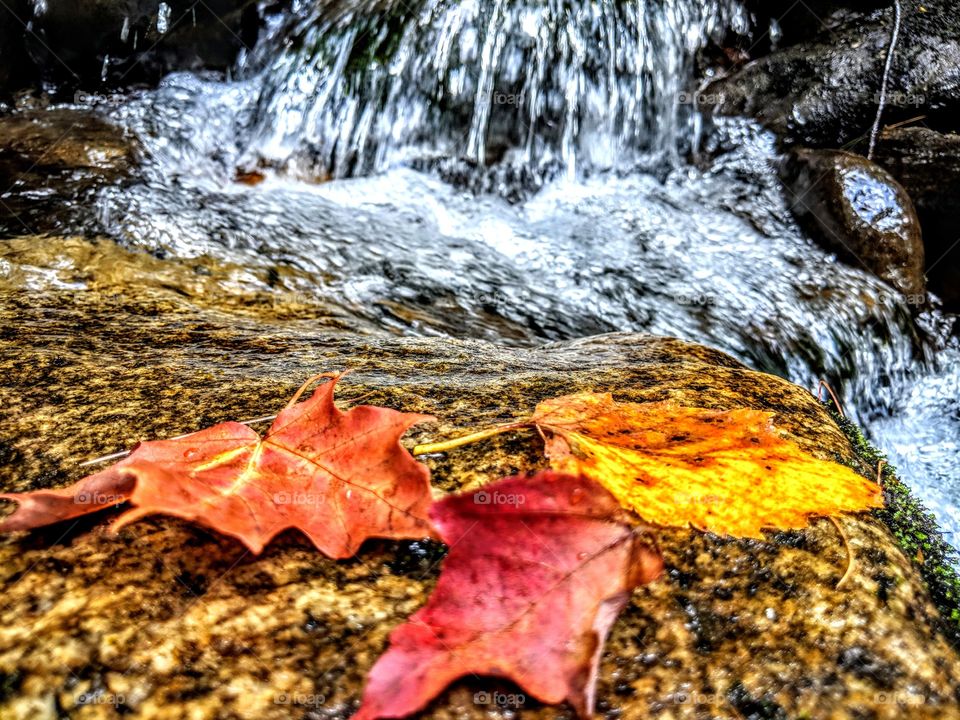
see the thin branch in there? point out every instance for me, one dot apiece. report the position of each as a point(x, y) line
point(124, 453)
point(824, 385)
point(886, 77)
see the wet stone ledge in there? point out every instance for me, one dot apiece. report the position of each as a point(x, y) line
point(168, 620)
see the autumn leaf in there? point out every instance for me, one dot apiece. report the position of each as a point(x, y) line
point(725, 471)
point(338, 477)
point(538, 570)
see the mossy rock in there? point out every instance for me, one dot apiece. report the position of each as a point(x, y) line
point(169, 620)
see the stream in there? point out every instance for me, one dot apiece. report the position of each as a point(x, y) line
point(523, 172)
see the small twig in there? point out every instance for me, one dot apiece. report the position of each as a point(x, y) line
point(824, 385)
point(542, 434)
point(361, 398)
point(104, 458)
point(851, 560)
point(902, 123)
point(886, 77)
point(880, 465)
point(446, 445)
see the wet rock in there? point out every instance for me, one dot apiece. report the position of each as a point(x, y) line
point(95, 43)
point(780, 23)
point(927, 164)
point(857, 210)
point(167, 620)
point(51, 161)
point(825, 91)
point(16, 70)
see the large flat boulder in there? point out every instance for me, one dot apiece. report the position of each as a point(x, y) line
point(168, 620)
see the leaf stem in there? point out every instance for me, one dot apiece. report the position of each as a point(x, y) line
point(310, 381)
point(446, 445)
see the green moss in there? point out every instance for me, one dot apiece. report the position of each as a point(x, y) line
point(916, 531)
point(378, 40)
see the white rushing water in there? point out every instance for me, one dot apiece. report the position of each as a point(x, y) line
point(581, 85)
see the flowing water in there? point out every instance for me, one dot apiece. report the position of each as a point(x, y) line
point(524, 171)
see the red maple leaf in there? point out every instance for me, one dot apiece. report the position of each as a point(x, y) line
point(538, 570)
point(338, 477)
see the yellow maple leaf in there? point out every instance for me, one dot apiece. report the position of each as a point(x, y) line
point(725, 471)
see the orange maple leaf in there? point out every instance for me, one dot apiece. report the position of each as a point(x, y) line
point(727, 472)
point(338, 477)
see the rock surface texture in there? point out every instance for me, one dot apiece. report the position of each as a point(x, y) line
point(825, 91)
point(168, 620)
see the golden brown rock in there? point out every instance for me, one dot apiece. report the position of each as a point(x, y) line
point(170, 621)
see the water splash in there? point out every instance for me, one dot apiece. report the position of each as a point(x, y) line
point(163, 18)
point(583, 85)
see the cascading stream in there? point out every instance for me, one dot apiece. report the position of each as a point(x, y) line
point(582, 85)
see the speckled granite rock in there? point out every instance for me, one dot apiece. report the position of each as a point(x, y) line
point(168, 620)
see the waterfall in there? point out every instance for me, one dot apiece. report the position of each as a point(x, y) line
point(579, 84)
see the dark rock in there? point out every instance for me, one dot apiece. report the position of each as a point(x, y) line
point(51, 161)
point(927, 164)
point(90, 44)
point(857, 210)
point(825, 92)
point(780, 23)
point(16, 70)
